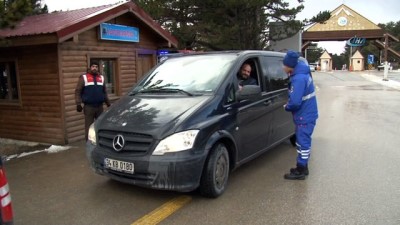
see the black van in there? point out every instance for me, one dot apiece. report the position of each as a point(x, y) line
point(186, 125)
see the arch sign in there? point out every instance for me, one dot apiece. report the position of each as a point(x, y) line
point(356, 41)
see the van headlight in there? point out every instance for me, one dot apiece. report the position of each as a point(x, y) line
point(177, 142)
point(92, 135)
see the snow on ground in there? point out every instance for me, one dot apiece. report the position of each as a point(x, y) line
point(51, 149)
point(23, 144)
point(379, 80)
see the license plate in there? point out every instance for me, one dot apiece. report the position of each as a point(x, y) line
point(121, 166)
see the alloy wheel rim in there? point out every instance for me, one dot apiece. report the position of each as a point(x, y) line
point(220, 172)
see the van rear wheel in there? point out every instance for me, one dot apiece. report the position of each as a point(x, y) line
point(216, 172)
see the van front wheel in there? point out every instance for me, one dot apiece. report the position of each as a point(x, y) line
point(216, 172)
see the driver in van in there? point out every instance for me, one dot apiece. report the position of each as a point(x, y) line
point(244, 76)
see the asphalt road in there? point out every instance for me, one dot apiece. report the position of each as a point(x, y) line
point(354, 175)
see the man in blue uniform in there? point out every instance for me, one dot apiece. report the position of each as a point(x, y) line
point(303, 105)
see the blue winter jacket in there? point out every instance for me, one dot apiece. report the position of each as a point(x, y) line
point(302, 100)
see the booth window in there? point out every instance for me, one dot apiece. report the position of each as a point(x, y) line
point(107, 68)
point(8, 81)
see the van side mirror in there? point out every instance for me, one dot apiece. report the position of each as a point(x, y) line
point(249, 92)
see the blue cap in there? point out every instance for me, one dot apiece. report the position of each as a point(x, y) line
point(291, 59)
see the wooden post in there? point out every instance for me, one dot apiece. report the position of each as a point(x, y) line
point(386, 48)
point(385, 67)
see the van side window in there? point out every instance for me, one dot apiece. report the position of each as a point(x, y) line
point(275, 77)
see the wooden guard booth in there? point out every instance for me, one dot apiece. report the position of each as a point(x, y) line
point(42, 58)
point(325, 61)
point(357, 61)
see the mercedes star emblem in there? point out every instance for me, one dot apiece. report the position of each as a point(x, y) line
point(118, 142)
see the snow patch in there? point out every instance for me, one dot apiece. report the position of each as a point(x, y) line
point(29, 153)
point(56, 148)
point(388, 83)
point(51, 149)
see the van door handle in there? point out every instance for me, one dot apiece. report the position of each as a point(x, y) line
point(268, 102)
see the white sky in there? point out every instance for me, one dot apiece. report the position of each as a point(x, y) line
point(378, 11)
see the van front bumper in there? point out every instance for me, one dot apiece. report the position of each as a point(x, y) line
point(178, 172)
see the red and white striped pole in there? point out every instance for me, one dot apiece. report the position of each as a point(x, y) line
point(5, 198)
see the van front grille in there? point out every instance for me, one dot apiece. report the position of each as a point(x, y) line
point(134, 142)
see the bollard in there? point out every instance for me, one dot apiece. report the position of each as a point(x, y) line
point(385, 71)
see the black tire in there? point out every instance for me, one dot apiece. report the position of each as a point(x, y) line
point(216, 172)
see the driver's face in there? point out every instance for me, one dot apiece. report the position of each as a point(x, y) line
point(245, 71)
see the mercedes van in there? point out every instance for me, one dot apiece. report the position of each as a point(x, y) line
point(187, 124)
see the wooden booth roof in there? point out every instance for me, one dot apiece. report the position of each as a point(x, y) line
point(66, 24)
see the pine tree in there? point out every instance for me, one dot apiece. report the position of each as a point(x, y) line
point(224, 24)
point(12, 11)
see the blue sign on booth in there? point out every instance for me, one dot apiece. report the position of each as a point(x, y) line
point(116, 32)
point(370, 59)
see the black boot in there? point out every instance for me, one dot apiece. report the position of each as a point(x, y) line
point(297, 173)
point(292, 170)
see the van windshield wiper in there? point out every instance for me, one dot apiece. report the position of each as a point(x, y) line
point(144, 91)
point(157, 90)
point(176, 90)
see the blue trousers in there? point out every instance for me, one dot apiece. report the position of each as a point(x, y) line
point(303, 142)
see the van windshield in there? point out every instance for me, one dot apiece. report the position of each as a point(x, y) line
point(188, 74)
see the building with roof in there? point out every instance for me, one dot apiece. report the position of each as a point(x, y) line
point(357, 61)
point(42, 58)
point(325, 61)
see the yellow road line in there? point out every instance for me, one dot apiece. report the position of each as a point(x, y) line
point(162, 212)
